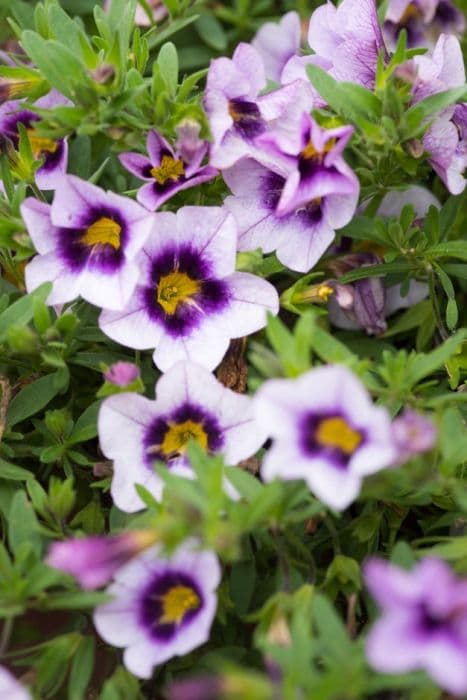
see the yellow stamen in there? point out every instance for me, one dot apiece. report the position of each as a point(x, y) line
point(324, 292)
point(174, 289)
point(176, 603)
point(178, 436)
point(104, 231)
point(169, 169)
point(40, 144)
point(411, 12)
point(336, 432)
point(311, 153)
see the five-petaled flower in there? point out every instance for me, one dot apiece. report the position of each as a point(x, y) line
point(87, 242)
point(325, 430)
point(189, 301)
point(191, 404)
point(167, 171)
point(161, 608)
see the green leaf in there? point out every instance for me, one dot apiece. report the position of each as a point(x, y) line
point(22, 311)
point(416, 114)
point(451, 249)
point(348, 99)
point(211, 31)
point(426, 364)
point(167, 61)
point(86, 426)
point(32, 399)
point(81, 669)
point(22, 524)
point(11, 472)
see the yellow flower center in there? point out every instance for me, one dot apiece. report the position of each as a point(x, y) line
point(337, 433)
point(411, 12)
point(178, 436)
point(176, 603)
point(311, 153)
point(174, 289)
point(40, 144)
point(169, 169)
point(104, 231)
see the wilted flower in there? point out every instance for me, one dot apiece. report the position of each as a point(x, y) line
point(95, 560)
point(189, 301)
point(423, 20)
point(325, 430)
point(413, 434)
point(190, 405)
point(54, 153)
point(276, 43)
point(10, 688)
point(424, 622)
point(122, 373)
point(161, 608)
point(87, 243)
point(166, 170)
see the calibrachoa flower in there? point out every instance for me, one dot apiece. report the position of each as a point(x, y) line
point(295, 208)
point(10, 688)
point(189, 301)
point(53, 153)
point(166, 170)
point(87, 243)
point(161, 608)
point(190, 405)
point(122, 373)
point(424, 622)
point(423, 20)
point(413, 434)
point(325, 430)
point(95, 560)
point(238, 116)
point(277, 43)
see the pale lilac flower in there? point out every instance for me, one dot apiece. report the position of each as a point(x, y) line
point(413, 434)
point(349, 38)
point(423, 623)
point(122, 374)
point(325, 430)
point(189, 301)
point(198, 688)
point(191, 404)
point(188, 143)
point(165, 170)
point(54, 153)
point(424, 21)
point(161, 608)
point(238, 115)
point(276, 43)
point(10, 688)
point(93, 561)
point(157, 7)
point(87, 242)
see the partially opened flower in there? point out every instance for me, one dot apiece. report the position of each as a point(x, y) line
point(237, 113)
point(276, 43)
point(423, 623)
point(166, 171)
point(54, 153)
point(191, 404)
point(325, 430)
point(423, 20)
point(87, 243)
point(10, 688)
point(161, 608)
point(189, 301)
point(413, 434)
point(268, 218)
point(95, 560)
point(122, 374)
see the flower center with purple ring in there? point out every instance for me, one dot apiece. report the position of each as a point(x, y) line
point(246, 117)
point(103, 232)
point(40, 145)
point(170, 169)
point(171, 601)
point(331, 437)
point(176, 288)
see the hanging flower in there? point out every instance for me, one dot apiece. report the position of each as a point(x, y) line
point(190, 405)
point(166, 170)
point(95, 560)
point(87, 243)
point(54, 153)
point(276, 43)
point(325, 430)
point(424, 622)
point(189, 301)
point(423, 20)
point(10, 688)
point(161, 608)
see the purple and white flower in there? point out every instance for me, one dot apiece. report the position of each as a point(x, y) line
point(10, 688)
point(276, 43)
point(166, 171)
point(87, 242)
point(54, 153)
point(423, 20)
point(93, 561)
point(424, 622)
point(191, 404)
point(325, 430)
point(161, 608)
point(190, 302)
point(238, 115)
point(295, 208)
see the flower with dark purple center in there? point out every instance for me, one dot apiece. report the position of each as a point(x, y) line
point(166, 170)
point(423, 20)
point(423, 623)
point(87, 241)
point(190, 301)
point(191, 405)
point(161, 608)
point(325, 430)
